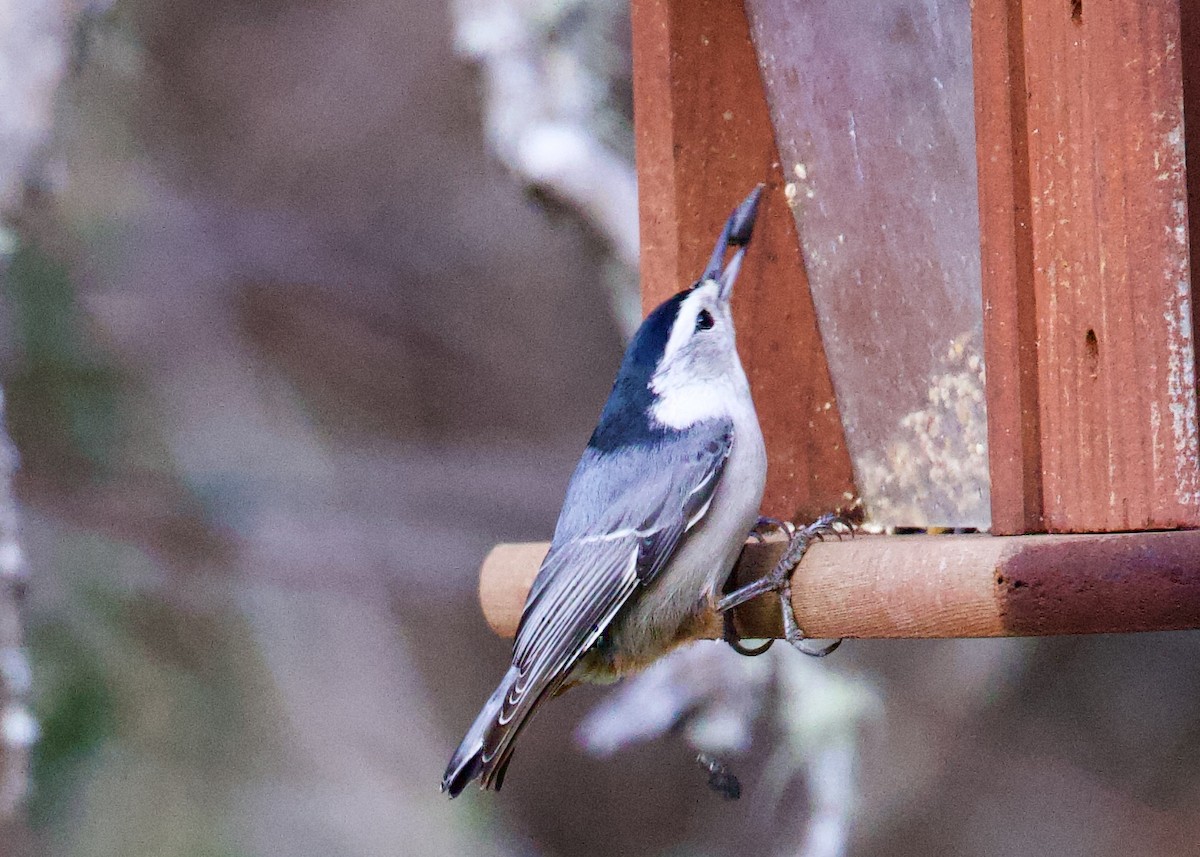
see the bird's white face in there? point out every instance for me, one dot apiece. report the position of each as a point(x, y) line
point(700, 376)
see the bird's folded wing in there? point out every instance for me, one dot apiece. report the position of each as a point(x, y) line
point(623, 519)
point(565, 622)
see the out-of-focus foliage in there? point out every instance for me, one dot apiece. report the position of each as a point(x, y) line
point(75, 710)
point(60, 380)
point(33, 58)
point(33, 52)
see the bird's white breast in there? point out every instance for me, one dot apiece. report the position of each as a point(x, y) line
point(706, 556)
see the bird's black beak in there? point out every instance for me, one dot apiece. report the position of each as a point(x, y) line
point(738, 229)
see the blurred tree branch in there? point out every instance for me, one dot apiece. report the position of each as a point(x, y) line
point(17, 728)
point(34, 49)
point(556, 74)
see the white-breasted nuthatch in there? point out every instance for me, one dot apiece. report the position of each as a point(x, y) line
point(656, 513)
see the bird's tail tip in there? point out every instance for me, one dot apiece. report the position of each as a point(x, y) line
point(463, 768)
point(471, 761)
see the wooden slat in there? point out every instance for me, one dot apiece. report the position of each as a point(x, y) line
point(704, 138)
point(1100, 103)
point(1009, 315)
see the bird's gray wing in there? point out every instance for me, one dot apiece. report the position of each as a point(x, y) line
point(657, 491)
point(624, 516)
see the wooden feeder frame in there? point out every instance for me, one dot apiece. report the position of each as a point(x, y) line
point(1079, 381)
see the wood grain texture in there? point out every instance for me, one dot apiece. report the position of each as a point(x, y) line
point(941, 586)
point(873, 111)
point(1189, 41)
point(1006, 244)
point(704, 138)
point(1101, 104)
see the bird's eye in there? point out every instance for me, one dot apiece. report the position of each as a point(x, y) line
point(704, 320)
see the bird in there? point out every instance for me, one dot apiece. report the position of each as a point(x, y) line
point(655, 515)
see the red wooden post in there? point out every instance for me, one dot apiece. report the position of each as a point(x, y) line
point(1086, 272)
point(1009, 315)
point(704, 138)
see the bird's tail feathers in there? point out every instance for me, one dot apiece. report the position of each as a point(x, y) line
point(476, 756)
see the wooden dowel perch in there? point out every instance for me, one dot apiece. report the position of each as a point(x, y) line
point(941, 586)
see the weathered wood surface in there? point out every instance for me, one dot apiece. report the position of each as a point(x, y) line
point(941, 586)
point(704, 138)
point(1010, 320)
point(873, 111)
point(1189, 42)
point(1086, 275)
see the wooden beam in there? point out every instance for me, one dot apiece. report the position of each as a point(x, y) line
point(1086, 266)
point(940, 586)
point(704, 138)
point(1006, 257)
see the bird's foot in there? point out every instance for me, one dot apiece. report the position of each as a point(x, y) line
point(765, 525)
point(779, 581)
point(729, 634)
point(782, 573)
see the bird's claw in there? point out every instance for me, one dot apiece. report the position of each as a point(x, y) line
point(765, 525)
point(791, 628)
point(798, 545)
point(729, 632)
point(779, 581)
point(730, 635)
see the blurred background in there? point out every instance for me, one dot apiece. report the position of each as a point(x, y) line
point(305, 306)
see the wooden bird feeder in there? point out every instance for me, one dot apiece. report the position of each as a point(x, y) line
point(968, 302)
